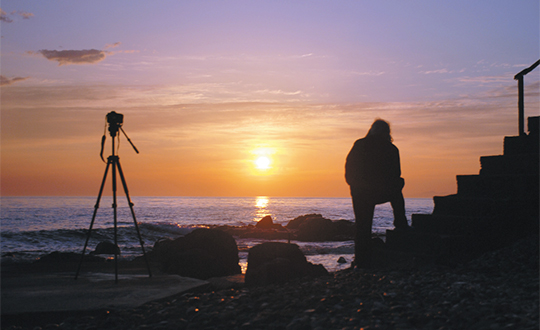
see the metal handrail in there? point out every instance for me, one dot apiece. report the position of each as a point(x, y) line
point(521, 96)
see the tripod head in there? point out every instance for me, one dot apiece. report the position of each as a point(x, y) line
point(115, 121)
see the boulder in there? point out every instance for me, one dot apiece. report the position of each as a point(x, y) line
point(106, 247)
point(276, 262)
point(203, 253)
point(296, 222)
point(315, 228)
point(342, 260)
point(267, 223)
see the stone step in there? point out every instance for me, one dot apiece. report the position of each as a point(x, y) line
point(449, 224)
point(449, 248)
point(533, 125)
point(429, 244)
point(510, 164)
point(525, 144)
point(481, 206)
point(498, 186)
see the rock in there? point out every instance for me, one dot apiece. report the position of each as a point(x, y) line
point(344, 230)
point(203, 253)
point(296, 222)
point(501, 290)
point(342, 260)
point(265, 222)
point(106, 247)
point(315, 228)
point(275, 262)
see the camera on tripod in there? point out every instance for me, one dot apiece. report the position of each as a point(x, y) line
point(115, 121)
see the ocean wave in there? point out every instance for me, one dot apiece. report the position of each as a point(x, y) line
point(169, 228)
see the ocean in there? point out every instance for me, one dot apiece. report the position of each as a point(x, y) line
point(35, 226)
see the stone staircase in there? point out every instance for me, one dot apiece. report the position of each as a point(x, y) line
point(490, 210)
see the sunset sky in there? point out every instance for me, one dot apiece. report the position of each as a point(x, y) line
point(251, 98)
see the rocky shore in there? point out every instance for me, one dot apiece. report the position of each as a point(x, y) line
point(500, 290)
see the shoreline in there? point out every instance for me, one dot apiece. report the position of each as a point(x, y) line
point(497, 291)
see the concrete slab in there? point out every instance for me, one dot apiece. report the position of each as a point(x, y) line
point(60, 292)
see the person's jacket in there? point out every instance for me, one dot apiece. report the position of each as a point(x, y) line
point(373, 164)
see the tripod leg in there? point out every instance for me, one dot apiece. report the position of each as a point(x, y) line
point(133, 215)
point(93, 217)
point(115, 162)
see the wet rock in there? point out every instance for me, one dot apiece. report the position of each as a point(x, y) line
point(203, 253)
point(106, 247)
point(276, 231)
point(316, 228)
point(276, 262)
point(267, 223)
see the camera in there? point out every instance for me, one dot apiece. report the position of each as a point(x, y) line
point(114, 118)
point(115, 121)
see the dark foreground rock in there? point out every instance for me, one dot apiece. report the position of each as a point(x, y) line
point(275, 262)
point(106, 247)
point(65, 257)
point(203, 253)
point(497, 291)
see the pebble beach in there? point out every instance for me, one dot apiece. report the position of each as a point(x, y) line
point(500, 290)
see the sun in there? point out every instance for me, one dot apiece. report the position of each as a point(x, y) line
point(263, 163)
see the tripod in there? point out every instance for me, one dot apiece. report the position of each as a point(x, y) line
point(114, 160)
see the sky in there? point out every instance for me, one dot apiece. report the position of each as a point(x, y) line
point(257, 98)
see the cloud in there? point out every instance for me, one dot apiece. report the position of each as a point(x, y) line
point(25, 15)
point(485, 79)
point(4, 81)
point(277, 92)
point(116, 44)
point(436, 71)
point(368, 73)
point(85, 56)
point(4, 17)
point(65, 57)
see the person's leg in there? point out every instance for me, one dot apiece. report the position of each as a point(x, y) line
point(363, 212)
point(398, 206)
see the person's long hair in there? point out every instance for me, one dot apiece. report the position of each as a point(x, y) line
point(380, 128)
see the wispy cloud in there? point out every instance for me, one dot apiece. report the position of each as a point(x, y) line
point(436, 71)
point(442, 71)
point(277, 92)
point(4, 81)
point(4, 17)
point(368, 73)
point(485, 79)
point(437, 140)
point(25, 15)
point(116, 44)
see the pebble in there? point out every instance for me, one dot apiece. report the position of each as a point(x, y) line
point(498, 291)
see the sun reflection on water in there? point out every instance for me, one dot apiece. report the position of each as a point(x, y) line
point(261, 203)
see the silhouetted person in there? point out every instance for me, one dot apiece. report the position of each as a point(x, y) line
point(373, 172)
